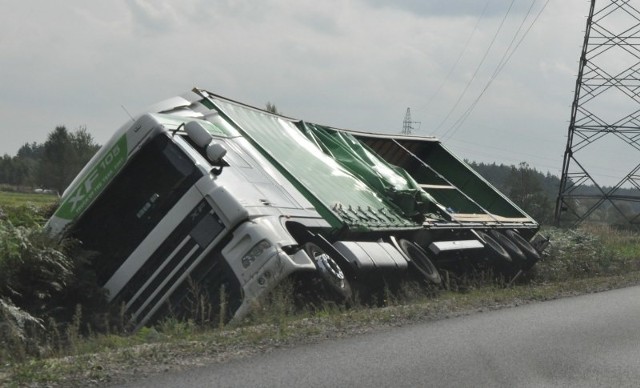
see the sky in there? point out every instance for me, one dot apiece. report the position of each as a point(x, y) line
point(465, 68)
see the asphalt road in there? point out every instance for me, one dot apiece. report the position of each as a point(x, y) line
point(586, 341)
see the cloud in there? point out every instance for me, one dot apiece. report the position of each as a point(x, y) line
point(354, 64)
point(458, 8)
point(152, 17)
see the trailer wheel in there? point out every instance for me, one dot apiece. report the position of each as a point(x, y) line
point(420, 262)
point(518, 257)
point(495, 250)
point(330, 274)
point(529, 251)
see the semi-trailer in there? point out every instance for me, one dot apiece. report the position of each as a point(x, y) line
point(201, 188)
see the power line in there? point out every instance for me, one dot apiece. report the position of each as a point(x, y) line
point(475, 73)
point(501, 64)
point(502, 61)
point(457, 61)
point(511, 157)
point(484, 146)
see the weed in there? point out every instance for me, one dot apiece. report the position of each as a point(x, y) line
point(16, 328)
point(197, 305)
point(73, 329)
point(177, 328)
point(587, 259)
point(222, 310)
point(587, 252)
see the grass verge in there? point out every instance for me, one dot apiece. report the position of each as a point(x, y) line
point(9, 198)
point(577, 262)
point(109, 359)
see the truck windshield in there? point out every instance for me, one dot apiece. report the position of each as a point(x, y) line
point(134, 202)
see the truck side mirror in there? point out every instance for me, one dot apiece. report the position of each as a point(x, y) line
point(198, 134)
point(215, 152)
point(202, 138)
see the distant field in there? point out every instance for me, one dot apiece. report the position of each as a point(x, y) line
point(17, 199)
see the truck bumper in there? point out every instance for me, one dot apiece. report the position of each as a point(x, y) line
point(278, 268)
point(258, 259)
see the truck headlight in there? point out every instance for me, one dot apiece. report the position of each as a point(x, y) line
point(255, 252)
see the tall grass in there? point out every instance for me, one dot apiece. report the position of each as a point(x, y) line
point(49, 308)
point(8, 198)
point(34, 272)
point(45, 285)
point(590, 251)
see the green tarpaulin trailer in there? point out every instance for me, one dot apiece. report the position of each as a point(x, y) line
point(393, 174)
point(369, 184)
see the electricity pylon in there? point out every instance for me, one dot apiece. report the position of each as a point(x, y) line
point(407, 124)
point(605, 122)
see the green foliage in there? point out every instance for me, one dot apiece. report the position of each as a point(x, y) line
point(536, 193)
point(42, 280)
point(33, 267)
point(63, 156)
point(33, 273)
point(499, 176)
point(533, 191)
point(525, 189)
point(16, 170)
point(27, 215)
point(16, 329)
point(590, 254)
point(52, 164)
point(176, 328)
point(271, 108)
point(587, 252)
point(12, 198)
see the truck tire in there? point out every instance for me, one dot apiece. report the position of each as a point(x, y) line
point(419, 262)
point(518, 257)
point(331, 276)
point(529, 251)
point(494, 250)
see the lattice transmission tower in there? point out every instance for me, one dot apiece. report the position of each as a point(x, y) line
point(407, 124)
point(600, 174)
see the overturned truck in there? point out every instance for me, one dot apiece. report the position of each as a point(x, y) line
point(208, 191)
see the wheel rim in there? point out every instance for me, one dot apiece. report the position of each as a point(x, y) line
point(328, 268)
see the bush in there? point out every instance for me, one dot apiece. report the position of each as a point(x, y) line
point(43, 279)
point(586, 252)
point(27, 215)
point(16, 331)
point(33, 267)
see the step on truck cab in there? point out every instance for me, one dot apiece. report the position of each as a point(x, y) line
point(204, 190)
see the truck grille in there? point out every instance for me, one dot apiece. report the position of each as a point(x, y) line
point(171, 262)
point(213, 277)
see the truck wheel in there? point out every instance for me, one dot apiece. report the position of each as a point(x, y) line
point(529, 251)
point(495, 251)
point(420, 262)
point(331, 275)
point(518, 257)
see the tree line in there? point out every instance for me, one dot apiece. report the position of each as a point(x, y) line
point(52, 164)
point(533, 191)
point(536, 194)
